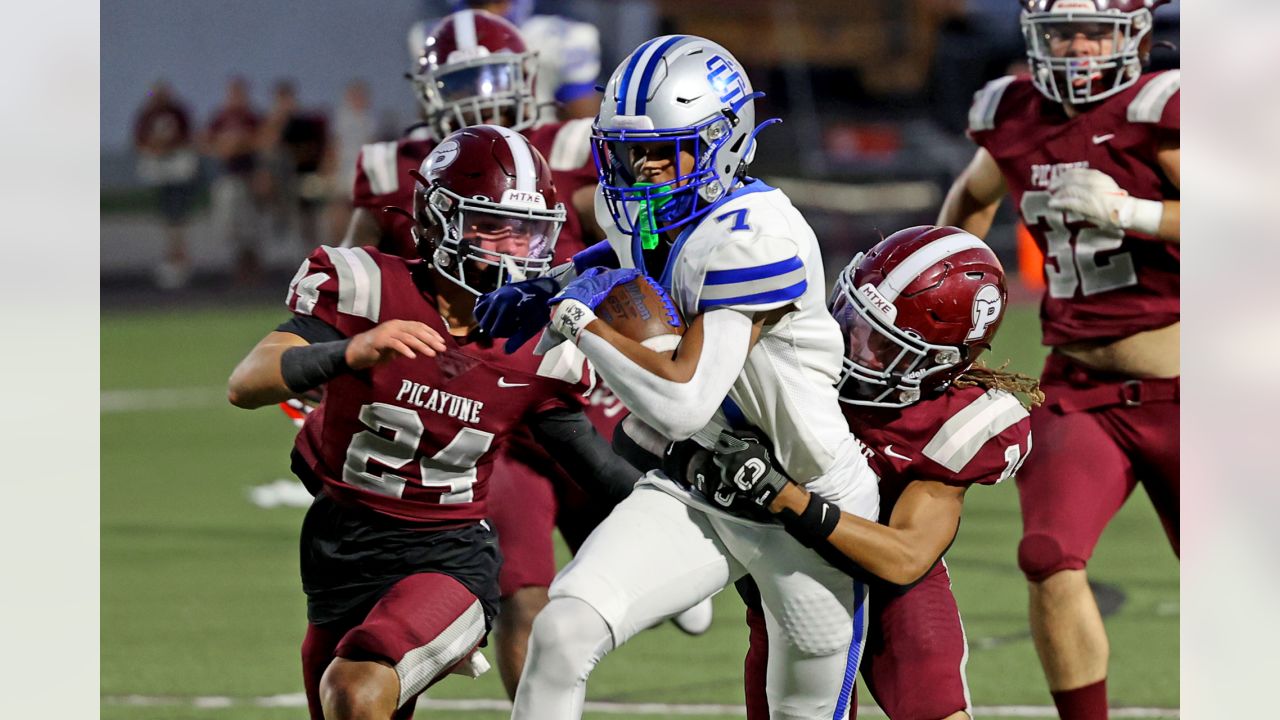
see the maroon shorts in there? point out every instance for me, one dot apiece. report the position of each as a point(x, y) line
point(914, 661)
point(1095, 438)
point(424, 625)
point(529, 496)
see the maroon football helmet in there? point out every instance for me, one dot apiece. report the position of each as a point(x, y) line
point(485, 209)
point(1082, 51)
point(916, 310)
point(473, 68)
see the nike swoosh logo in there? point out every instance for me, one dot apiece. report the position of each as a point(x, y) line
point(502, 382)
point(888, 450)
point(1099, 139)
point(823, 519)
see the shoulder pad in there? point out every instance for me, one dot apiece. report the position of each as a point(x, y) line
point(378, 164)
point(1148, 105)
point(752, 272)
point(571, 148)
point(963, 434)
point(982, 113)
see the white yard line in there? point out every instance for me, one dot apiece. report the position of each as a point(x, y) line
point(191, 398)
point(297, 700)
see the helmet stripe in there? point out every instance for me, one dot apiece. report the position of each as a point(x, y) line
point(642, 89)
point(464, 29)
point(908, 270)
point(625, 84)
point(526, 172)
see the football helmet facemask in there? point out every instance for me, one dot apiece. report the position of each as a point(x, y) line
point(473, 68)
point(485, 209)
point(1082, 51)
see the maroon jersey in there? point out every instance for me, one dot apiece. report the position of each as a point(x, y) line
point(1101, 285)
point(962, 437)
point(413, 439)
point(382, 180)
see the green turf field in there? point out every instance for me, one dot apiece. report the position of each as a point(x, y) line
point(200, 596)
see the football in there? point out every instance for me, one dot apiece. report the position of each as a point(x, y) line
point(642, 310)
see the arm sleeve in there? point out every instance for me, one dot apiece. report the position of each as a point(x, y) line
point(599, 255)
point(311, 329)
point(639, 444)
point(572, 440)
point(752, 273)
point(675, 409)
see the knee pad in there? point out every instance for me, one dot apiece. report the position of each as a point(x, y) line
point(568, 638)
point(1040, 556)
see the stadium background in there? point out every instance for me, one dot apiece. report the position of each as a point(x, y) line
point(201, 609)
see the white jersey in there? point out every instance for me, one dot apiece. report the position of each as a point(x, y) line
point(754, 252)
point(568, 59)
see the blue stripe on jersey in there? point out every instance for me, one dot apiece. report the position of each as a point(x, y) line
point(747, 274)
point(753, 185)
point(772, 296)
point(737, 419)
point(626, 76)
point(855, 651)
point(643, 91)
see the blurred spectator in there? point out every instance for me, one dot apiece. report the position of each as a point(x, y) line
point(295, 141)
point(167, 161)
point(568, 55)
point(978, 40)
point(232, 139)
point(354, 125)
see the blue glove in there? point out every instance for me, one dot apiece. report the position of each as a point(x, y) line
point(516, 311)
point(591, 287)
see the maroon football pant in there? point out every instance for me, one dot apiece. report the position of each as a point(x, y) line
point(1096, 437)
point(424, 625)
point(914, 661)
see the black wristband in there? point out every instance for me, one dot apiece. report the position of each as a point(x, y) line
point(309, 366)
point(813, 526)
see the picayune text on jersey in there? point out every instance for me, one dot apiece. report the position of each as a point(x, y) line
point(1042, 175)
point(445, 403)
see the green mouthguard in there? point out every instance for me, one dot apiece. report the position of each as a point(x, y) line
point(647, 217)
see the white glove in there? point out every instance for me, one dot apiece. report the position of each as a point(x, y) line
point(1096, 197)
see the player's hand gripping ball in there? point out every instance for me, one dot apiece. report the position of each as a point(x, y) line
point(641, 310)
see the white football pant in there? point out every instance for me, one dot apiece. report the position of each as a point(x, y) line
point(654, 557)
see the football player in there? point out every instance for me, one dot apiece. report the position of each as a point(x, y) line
point(675, 135)
point(568, 56)
point(916, 311)
point(398, 564)
point(474, 67)
point(1088, 147)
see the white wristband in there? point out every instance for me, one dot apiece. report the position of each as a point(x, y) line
point(1141, 216)
point(570, 317)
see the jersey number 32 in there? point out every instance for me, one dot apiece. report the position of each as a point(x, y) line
point(1077, 263)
